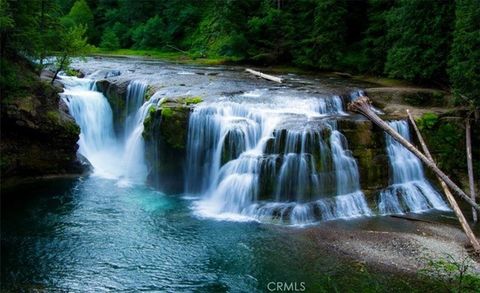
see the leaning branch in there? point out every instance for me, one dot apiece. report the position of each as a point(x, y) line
point(468, 142)
point(265, 76)
point(362, 105)
point(453, 203)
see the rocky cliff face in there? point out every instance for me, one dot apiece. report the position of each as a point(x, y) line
point(367, 144)
point(165, 135)
point(38, 136)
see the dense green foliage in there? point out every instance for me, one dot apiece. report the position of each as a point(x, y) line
point(404, 39)
point(110, 40)
point(446, 140)
point(428, 41)
point(34, 30)
point(464, 65)
point(419, 34)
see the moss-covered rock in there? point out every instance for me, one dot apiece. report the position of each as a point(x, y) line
point(39, 137)
point(116, 94)
point(367, 144)
point(165, 134)
point(151, 90)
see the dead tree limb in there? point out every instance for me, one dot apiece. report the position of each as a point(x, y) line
point(468, 138)
point(263, 75)
point(453, 203)
point(362, 105)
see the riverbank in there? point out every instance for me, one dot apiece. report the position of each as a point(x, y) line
point(402, 245)
point(182, 57)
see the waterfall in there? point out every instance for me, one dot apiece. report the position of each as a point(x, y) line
point(111, 157)
point(244, 167)
point(331, 105)
point(261, 155)
point(136, 112)
point(409, 191)
point(93, 114)
point(135, 96)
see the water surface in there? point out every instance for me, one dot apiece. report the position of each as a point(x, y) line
point(89, 234)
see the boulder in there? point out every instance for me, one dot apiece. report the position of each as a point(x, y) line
point(39, 137)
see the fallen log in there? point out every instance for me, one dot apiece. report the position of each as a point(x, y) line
point(468, 142)
point(453, 203)
point(362, 105)
point(263, 75)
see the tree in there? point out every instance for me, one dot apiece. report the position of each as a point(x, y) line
point(72, 43)
point(323, 45)
point(269, 33)
point(151, 34)
point(222, 29)
point(80, 15)
point(419, 32)
point(110, 40)
point(464, 63)
point(375, 44)
point(6, 24)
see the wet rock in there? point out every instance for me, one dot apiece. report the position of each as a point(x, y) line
point(39, 138)
point(367, 144)
point(116, 93)
point(112, 73)
point(165, 134)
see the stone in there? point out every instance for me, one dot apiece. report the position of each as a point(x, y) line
point(39, 138)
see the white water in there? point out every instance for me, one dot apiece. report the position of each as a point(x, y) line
point(243, 168)
point(409, 191)
point(134, 149)
point(282, 160)
point(111, 156)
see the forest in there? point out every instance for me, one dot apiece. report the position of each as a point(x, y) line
point(428, 42)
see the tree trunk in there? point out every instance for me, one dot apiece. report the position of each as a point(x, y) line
point(263, 75)
point(468, 138)
point(362, 105)
point(60, 67)
point(453, 203)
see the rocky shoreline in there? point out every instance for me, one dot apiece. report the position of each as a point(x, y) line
point(398, 245)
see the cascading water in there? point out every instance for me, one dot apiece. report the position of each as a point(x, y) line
point(136, 112)
point(98, 142)
point(93, 114)
point(243, 167)
point(283, 161)
point(135, 97)
point(409, 191)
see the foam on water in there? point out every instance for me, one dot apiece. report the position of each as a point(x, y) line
point(245, 166)
point(409, 191)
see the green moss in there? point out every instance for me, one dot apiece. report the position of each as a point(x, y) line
point(53, 116)
point(149, 92)
point(72, 128)
point(427, 121)
point(193, 100)
point(147, 123)
point(17, 79)
point(167, 112)
point(71, 72)
point(186, 58)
